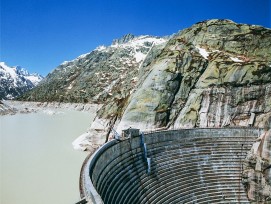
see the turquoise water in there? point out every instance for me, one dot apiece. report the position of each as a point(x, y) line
point(38, 163)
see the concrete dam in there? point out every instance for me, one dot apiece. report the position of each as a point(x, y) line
point(173, 166)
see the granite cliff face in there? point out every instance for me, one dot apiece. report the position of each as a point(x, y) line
point(216, 73)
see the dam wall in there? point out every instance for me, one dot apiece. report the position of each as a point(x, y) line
point(186, 166)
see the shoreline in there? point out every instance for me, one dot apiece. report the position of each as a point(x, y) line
point(42, 141)
point(10, 107)
point(82, 141)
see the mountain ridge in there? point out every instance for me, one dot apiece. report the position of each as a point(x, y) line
point(214, 74)
point(163, 85)
point(16, 81)
point(217, 73)
point(92, 77)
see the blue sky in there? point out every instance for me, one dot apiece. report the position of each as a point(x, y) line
point(41, 34)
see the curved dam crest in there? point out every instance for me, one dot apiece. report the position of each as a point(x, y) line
point(187, 166)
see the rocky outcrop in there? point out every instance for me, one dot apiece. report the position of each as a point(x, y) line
point(216, 73)
point(257, 168)
point(106, 74)
point(6, 109)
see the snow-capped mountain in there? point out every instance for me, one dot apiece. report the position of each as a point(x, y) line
point(15, 81)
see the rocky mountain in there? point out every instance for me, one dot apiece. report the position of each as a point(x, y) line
point(99, 75)
point(216, 73)
point(15, 81)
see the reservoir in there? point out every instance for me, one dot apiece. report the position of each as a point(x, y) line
point(38, 163)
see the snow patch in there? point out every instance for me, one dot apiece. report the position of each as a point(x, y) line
point(100, 48)
point(34, 79)
point(139, 56)
point(70, 86)
point(140, 41)
point(235, 59)
point(135, 79)
point(82, 56)
point(203, 52)
point(9, 96)
point(65, 62)
point(135, 43)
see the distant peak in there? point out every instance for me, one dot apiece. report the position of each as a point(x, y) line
point(100, 48)
point(124, 39)
point(21, 70)
point(3, 64)
point(215, 21)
